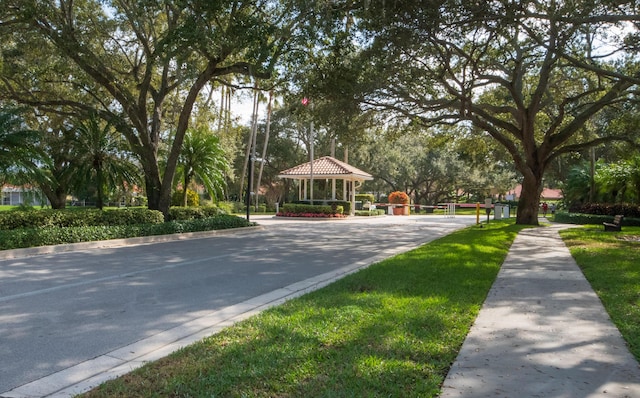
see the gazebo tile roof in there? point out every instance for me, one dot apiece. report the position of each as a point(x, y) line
point(325, 166)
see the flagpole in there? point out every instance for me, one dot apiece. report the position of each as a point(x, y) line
point(311, 156)
point(251, 151)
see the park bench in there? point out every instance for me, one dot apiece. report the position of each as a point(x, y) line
point(616, 225)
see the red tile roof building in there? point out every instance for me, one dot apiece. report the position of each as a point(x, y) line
point(547, 193)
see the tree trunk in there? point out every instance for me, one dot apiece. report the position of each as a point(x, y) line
point(157, 197)
point(152, 187)
point(58, 200)
point(529, 200)
point(185, 198)
point(164, 200)
point(99, 188)
point(57, 196)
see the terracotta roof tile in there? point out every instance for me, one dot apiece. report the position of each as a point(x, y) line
point(326, 167)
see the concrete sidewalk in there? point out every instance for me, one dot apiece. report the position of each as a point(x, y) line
point(542, 332)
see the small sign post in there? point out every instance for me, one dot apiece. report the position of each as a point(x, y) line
point(487, 207)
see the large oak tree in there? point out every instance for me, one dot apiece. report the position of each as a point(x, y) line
point(531, 74)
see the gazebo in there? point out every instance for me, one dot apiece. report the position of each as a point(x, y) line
point(327, 168)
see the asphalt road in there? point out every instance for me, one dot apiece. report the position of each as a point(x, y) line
point(60, 310)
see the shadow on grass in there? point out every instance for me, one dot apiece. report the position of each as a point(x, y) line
point(392, 329)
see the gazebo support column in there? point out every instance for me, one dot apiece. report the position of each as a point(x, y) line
point(353, 197)
point(304, 189)
point(344, 189)
point(333, 189)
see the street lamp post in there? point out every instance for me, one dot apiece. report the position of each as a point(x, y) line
point(305, 102)
point(252, 152)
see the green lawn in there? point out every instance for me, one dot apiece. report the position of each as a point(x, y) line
point(611, 263)
point(392, 329)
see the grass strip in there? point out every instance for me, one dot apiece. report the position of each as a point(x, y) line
point(392, 329)
point(611, 263)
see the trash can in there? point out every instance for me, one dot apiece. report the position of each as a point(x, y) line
point(497, 212)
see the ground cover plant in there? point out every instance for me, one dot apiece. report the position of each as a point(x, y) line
point(392, 329)
point(611, 263)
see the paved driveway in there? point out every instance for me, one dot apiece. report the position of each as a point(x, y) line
point(58, 311)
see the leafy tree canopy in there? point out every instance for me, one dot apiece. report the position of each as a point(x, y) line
point(141, 64)
point(531, 74)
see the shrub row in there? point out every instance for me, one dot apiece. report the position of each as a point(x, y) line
point(252, 209)
point(78, 218)
point(607, 209)
point(31, 237)
point(239, 207)
point(221, 221)
point(297, 208)
point(193, 213)
point(346, 206)
point(582, 218)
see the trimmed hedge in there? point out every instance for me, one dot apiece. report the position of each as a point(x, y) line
point(48, 218)
point(134, 216)
point(193, 213)
point(221, 221)
point(298, 208)
point(346, 206)
point(581, 218)
point(32, 237)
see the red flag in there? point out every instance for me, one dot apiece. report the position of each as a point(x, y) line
point(305, 101)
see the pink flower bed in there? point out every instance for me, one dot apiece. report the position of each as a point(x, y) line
point(310, 215)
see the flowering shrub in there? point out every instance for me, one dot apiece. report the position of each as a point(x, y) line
point(398, 197)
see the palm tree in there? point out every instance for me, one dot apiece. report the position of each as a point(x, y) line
point(17, 143)
point(203, 157)
point(100, 160)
